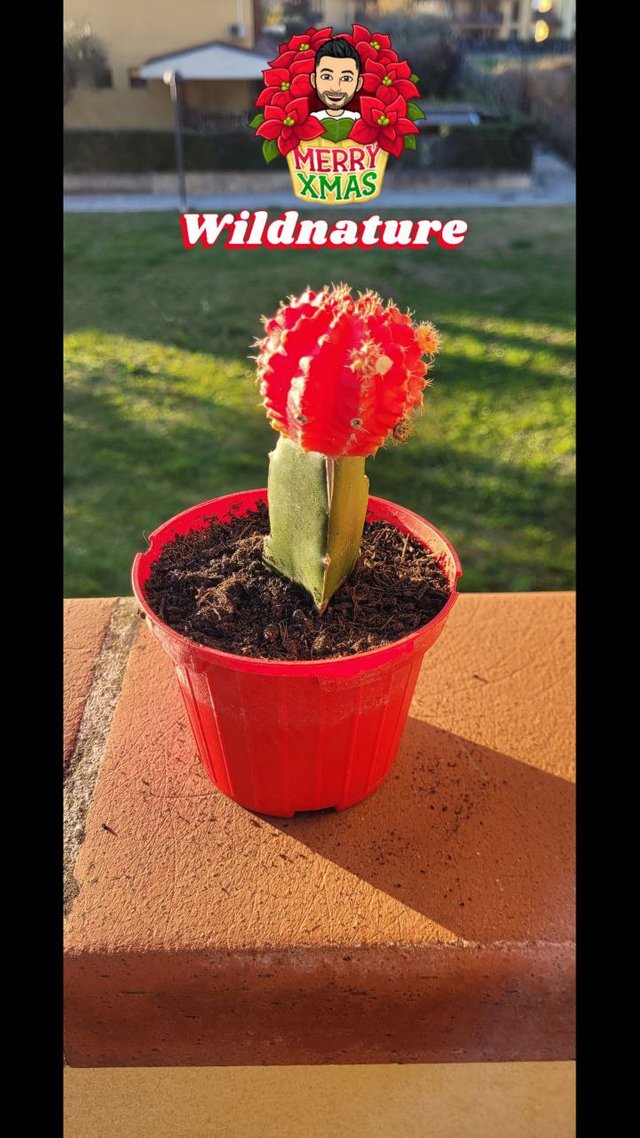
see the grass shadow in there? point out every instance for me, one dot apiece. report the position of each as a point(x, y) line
point(131, 274)
point(512, 526)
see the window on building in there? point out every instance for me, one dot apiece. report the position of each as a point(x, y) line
point(135, 81)
point(515, 11)
point(103, 79)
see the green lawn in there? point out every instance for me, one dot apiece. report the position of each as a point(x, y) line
point(162, 410)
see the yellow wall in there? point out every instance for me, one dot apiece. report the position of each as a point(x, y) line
point(132, 32)
point(339, 14)
point(224, 98)
point(439, 1100)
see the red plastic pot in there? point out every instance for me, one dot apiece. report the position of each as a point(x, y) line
point(279, 736)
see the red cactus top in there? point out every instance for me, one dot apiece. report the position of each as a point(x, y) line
point(340, 374)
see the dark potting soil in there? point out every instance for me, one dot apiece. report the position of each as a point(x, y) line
point(213, 587)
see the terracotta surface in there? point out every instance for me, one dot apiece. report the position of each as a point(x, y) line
point(439, 1100)
point(85, 626)
point(433, 922)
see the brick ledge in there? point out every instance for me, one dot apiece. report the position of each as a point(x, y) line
point(202, 934)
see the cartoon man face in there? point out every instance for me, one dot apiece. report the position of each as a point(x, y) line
point(336, 77)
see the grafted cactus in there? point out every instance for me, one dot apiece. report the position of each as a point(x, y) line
point(338, 375)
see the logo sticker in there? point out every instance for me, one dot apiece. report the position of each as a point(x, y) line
point(336, 107)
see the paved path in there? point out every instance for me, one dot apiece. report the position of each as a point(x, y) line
point(553, 184)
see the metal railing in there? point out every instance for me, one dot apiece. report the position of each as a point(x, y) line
point(516, 47)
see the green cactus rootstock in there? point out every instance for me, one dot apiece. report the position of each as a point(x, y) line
point(317, 510)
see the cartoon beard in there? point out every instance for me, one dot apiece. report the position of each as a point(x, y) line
point(334, 99)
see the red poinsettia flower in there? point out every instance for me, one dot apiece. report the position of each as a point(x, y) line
point(289, 125)
point(302, 48)
point(282, 84)
point(384, 123)
point(372, 45)
point(388, 80)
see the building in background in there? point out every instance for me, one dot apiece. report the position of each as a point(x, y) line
point(522, 20)
point(335, 13)
point(220, 36)
point(221, 49)
point(553, 19)
point(519, 20)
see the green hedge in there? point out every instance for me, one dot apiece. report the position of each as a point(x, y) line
point(543, 89)
point(153, 151)
point(489, 146)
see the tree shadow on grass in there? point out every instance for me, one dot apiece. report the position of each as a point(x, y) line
point(493, 337)
point(210, 300)
point(512, 526)
point(125, 476)
point(474, 486)
point(231, 336)
point(475, 840)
